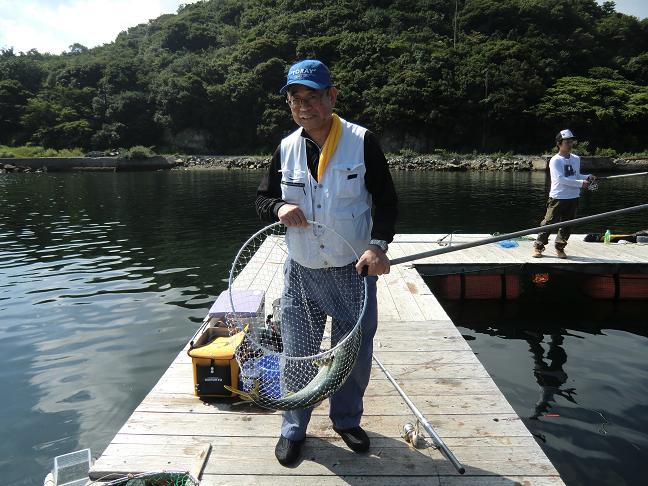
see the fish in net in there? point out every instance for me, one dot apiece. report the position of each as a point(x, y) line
point(302, 349)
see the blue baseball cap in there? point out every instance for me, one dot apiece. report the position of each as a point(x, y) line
point(311, 73)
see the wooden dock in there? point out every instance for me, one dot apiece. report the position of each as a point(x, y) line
point(421, 347)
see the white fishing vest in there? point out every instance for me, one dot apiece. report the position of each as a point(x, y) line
point(339, 201)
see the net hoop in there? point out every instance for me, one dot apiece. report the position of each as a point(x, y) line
point(314, 361)
point(265, 229)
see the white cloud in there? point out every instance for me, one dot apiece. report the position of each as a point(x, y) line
point(52, 26)
point(638, 8)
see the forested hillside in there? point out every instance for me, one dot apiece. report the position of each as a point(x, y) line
point(485, 75)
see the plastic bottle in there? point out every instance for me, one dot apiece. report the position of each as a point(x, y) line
point(606, 237)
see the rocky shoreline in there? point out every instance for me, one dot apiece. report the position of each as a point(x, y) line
point(506, 163)
point(398, 162)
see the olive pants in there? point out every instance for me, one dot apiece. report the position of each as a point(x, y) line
point(557, 210)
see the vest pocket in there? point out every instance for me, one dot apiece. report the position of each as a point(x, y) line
point(349, 180)
point(353, 224)
point(293, 187)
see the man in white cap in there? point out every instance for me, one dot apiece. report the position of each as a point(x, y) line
point(334, 172)
point(566, 183)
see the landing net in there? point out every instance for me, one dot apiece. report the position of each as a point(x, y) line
point(303, 340)
point(166, 478)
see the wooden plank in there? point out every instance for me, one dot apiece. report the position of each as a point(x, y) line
point(481, 456)
point(455, 371)
point(408, 345)
point(378, 387)
point(192, 446)
point(426, 357)
point(329, 458)
point(378, 442)
point(413, 330)
point(439, 404)
point(398, 371)
point(243, 424)
point(386, 306)
point(252, 480)
point(406, 304)
point(429, 306)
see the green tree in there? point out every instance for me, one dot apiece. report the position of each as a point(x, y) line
point(461, 75)
point(59, 117)
point(13, 100)
point(610, 112)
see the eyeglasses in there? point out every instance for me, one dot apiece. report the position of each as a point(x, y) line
point(306, 101)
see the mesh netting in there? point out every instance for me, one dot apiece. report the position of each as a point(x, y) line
point(169, 478)
point(302, 337)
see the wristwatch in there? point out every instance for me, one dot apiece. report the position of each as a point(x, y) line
point(382, 244)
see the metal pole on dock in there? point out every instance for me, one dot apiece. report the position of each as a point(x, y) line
point(426, 425)
point(508, 236)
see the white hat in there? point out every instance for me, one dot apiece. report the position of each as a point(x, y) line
point(564, 134)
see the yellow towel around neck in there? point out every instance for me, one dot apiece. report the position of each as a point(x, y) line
point(329, 146)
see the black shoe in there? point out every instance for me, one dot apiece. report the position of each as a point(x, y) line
point(287, 451)
point(355, 438)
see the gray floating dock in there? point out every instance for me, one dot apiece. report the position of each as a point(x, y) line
point(437, 369)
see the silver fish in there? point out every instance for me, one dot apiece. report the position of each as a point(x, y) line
point(333, 371)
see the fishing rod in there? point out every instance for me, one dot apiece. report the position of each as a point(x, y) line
point(508, 236)
point(424, 422)
point(426, 425)
point(594, 185)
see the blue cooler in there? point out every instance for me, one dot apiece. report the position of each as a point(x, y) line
point(269, 374)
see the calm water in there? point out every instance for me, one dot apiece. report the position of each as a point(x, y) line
point(104, 277)
point(576, 376)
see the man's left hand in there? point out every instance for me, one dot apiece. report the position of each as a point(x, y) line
point(376, 261)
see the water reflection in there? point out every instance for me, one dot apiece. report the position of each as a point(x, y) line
point(104, 276)
point(102, 281)
point(549, 373)
point(575, 376)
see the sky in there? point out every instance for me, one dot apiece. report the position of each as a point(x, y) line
point(638, 8)
point(52, 26)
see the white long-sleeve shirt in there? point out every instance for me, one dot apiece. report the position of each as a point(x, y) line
point(566, 178)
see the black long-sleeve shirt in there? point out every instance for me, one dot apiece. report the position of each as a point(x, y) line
point(377, 180)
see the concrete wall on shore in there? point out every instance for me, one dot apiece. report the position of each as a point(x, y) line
point(55, 164)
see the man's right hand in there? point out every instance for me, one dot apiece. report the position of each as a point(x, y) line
point(291, 215)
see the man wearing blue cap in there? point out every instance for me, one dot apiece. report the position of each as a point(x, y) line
point(566, 183)
point(331, 171)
